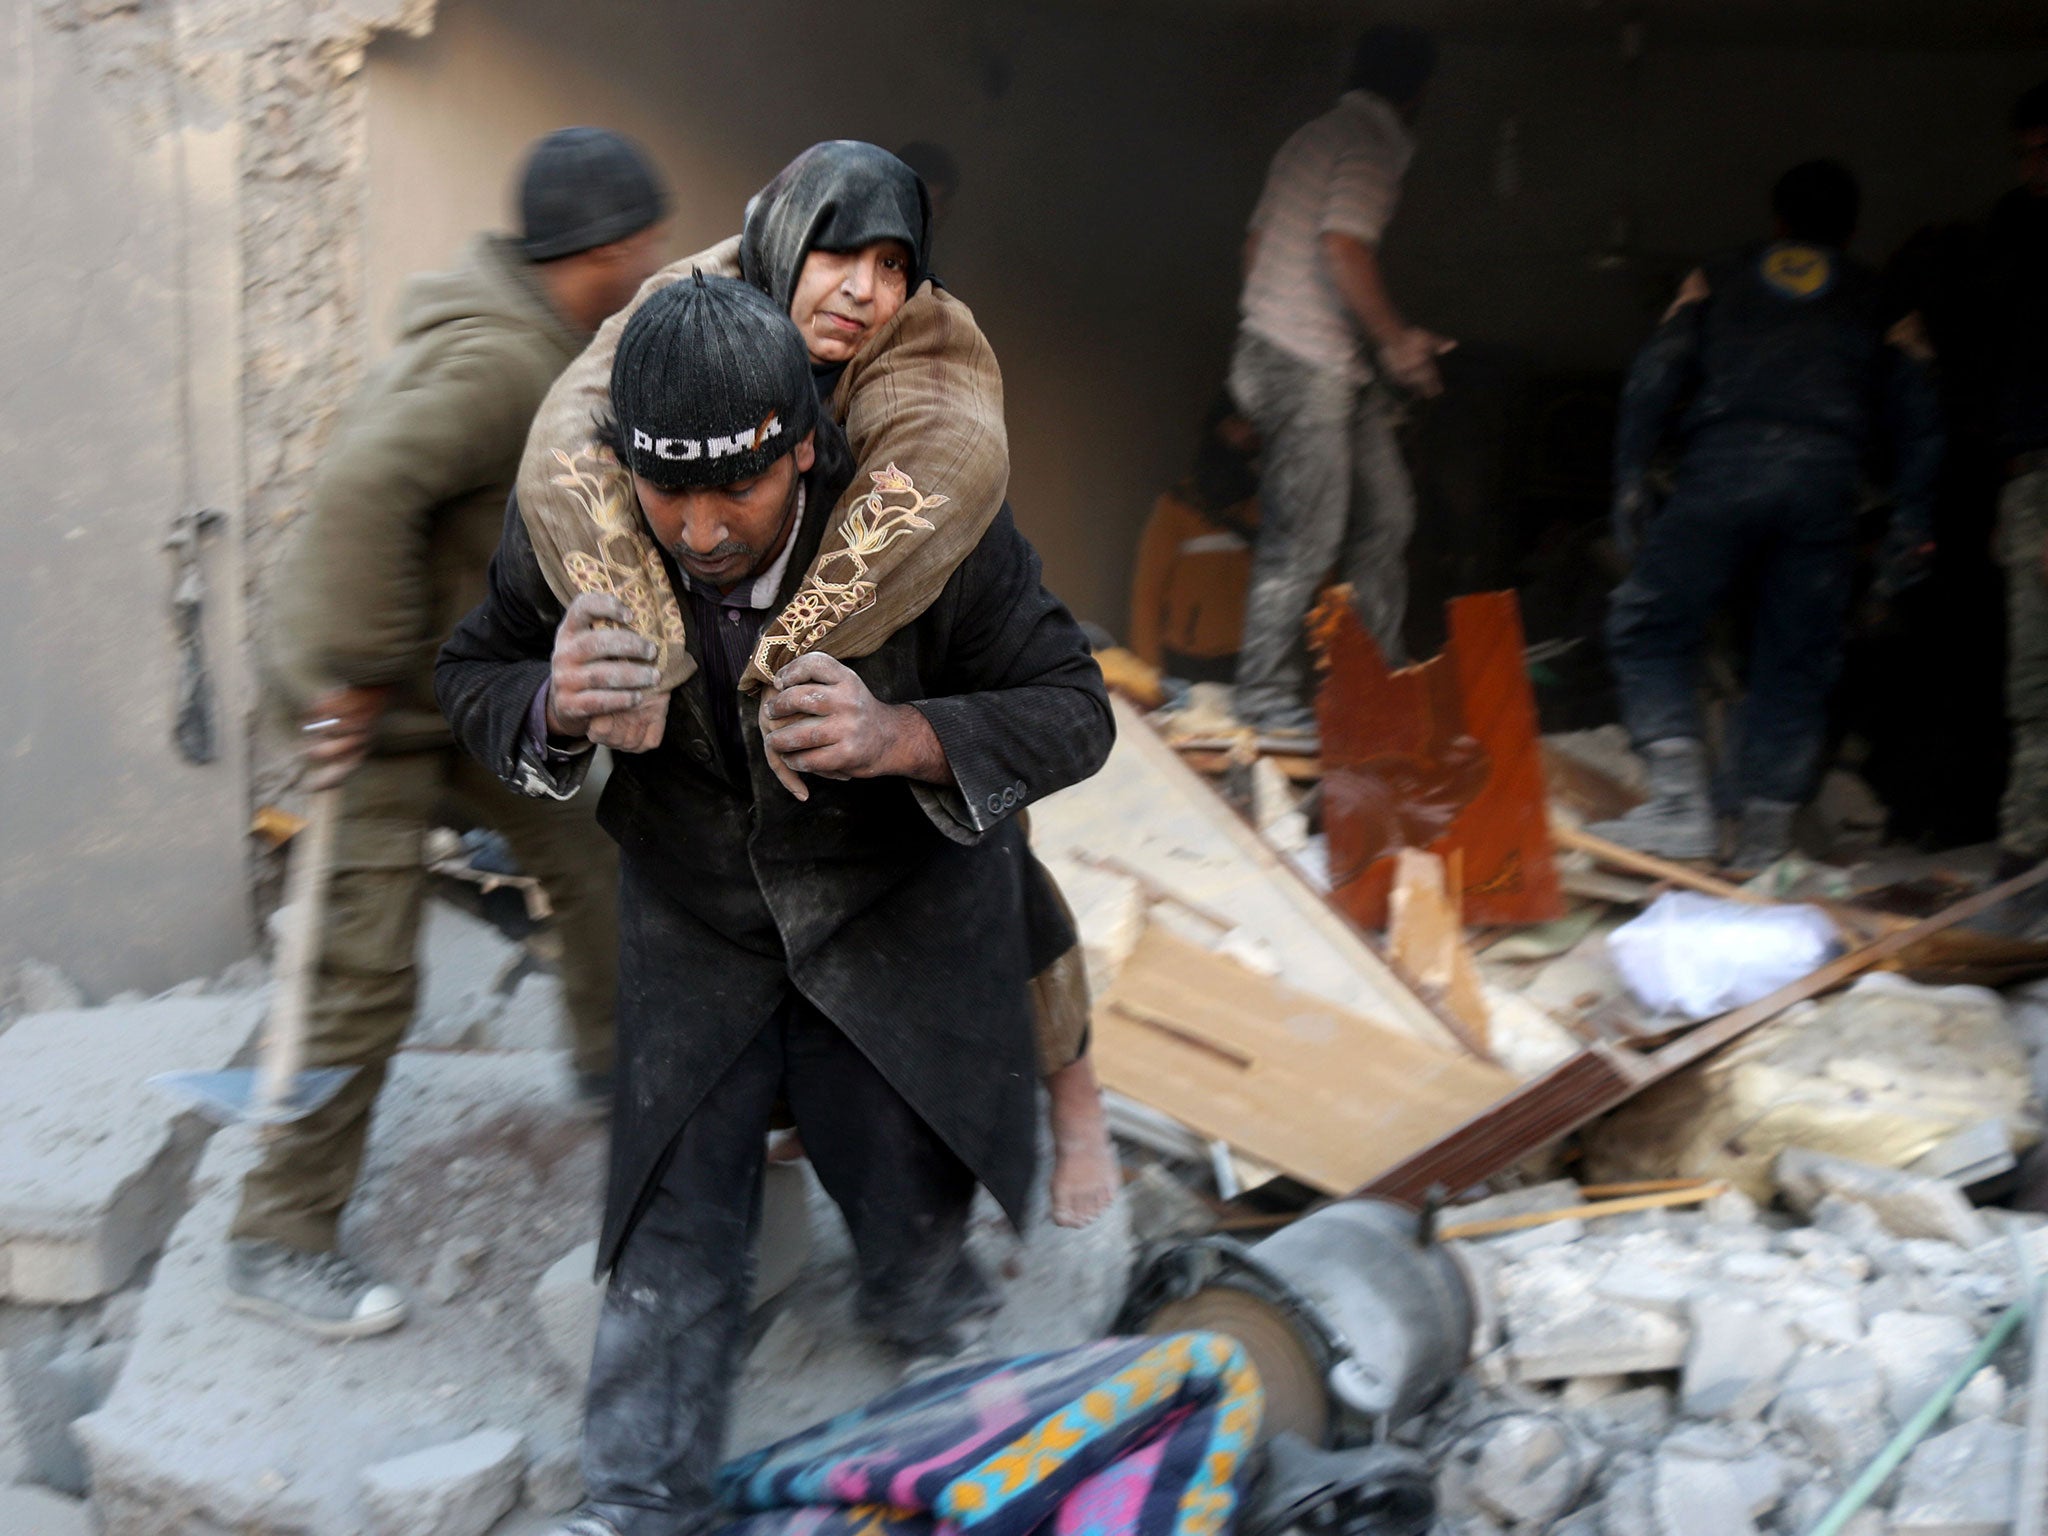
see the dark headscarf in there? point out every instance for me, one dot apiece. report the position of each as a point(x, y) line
point(835, 196)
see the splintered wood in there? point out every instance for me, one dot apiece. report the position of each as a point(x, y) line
point(1426, 944)
point(1325, 1095)
point(1441, 756)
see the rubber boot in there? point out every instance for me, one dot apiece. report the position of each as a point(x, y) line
point(1677, 821)
point(1764, 835)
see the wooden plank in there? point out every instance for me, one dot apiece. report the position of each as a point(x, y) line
point(1697, 1194)
point(1159, 818)
point(1618, 857)
point(1321, 1093)
point(1599, 1079)
point(1426, 946)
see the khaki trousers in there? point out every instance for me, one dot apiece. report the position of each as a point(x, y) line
point(368, 974)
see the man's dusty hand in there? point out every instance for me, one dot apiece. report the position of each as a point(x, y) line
point(602, 679)
point(819, 717)
point(338, 729)
point(1410, 360)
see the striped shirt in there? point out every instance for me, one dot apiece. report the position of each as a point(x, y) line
point(1340, 174)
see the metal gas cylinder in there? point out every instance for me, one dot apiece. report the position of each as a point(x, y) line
point(1347, 1313)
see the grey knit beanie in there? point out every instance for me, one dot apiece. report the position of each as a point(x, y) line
point(585, 187)
point(711, 384)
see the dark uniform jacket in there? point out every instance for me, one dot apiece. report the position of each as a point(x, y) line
point(896, 908)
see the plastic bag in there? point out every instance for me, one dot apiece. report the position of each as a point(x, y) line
point(1697, 955)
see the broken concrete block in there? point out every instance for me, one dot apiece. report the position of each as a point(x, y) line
point(244, 1426)
point(455, 1268)
point(1632, 1282)
point(1634, 1420)
point(1699, 1498)
point(1982, 1397)
point(93, 1161)
point(1917, 1352)
point(1592, 1340)
point(568, 1297)
point(1834, 1401)
point(554, 1478)
point(1909, 1206)
point(458, 1489)
point(1960, 1483)
point(1528, 1471)
point(1629, 1507)
point(1738, 1352)
point(39, 1512)
point(1831, 1321)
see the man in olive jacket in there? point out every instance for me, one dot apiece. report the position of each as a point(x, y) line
point(391, 552)
point(859, 953)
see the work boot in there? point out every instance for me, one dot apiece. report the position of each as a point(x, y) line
point(1677, 821)
point(320, 1293)
point(1764, 835)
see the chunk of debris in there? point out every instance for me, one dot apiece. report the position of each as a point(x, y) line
point(1908, 1205)
point(40, 987)
point(1834, 1401)
point(1529, 1470)
point(1699, 1498)
point(1738, 1352)
point(457, 1489)
point(93, 1161)
point(1960, 1483)
point(1917, 1352)
point(256, 1429)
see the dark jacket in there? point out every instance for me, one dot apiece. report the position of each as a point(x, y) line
point(405, 513)
point(1789, 338)
point(896, 908)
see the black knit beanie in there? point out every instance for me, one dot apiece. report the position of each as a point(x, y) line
point(586, 187)
point(711, 384)
point(836, 196)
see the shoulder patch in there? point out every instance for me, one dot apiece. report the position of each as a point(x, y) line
point(1797, 271)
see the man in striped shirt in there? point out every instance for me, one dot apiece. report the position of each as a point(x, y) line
point(1317, 329)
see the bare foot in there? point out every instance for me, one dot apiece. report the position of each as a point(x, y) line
point(1085, 1171)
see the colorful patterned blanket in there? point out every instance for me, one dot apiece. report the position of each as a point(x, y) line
point(1128, 1437)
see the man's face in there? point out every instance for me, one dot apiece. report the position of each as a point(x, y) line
point(844, 297)
point(634, 260)
point(2031, 148)
point(724, 534)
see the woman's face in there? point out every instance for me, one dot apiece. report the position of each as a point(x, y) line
point(844, 297)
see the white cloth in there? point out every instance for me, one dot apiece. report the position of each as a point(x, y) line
point(1340, 174)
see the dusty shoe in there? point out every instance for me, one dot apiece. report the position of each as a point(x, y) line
point(1677, 821)
point(1764, 834)
point(321, 1293)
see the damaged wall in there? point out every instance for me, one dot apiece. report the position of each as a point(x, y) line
point(179, 179)
point(119, 860)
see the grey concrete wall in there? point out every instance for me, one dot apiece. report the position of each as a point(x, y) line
point(119, 380)
point(1112, 152)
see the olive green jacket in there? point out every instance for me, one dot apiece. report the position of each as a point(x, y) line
point(405, 513)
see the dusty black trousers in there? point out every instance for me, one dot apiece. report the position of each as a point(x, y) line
point(668, 1337)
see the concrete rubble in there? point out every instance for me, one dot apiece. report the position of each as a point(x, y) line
point(92, 1159)
point(126, 1380)
point(1728, 1371)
